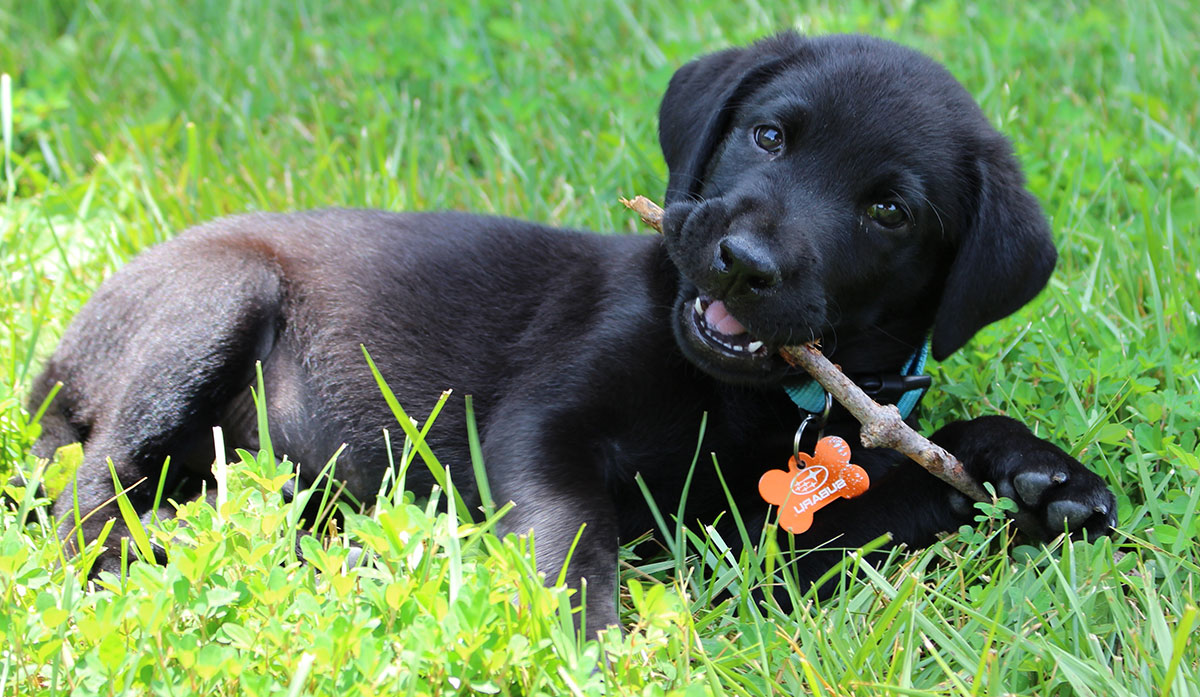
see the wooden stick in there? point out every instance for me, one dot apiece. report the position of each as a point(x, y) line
point(650, 211)
point(882, 425)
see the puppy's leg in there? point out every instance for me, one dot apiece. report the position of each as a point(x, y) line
point(555, 516)
point(1040, 477)
point(556, 492)
point(153, 385)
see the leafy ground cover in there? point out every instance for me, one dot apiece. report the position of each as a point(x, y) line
point(124, 122)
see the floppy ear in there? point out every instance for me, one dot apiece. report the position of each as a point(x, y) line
point(701, 100)
point(1003, 260)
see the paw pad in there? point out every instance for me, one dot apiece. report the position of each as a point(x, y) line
point(1031, 486)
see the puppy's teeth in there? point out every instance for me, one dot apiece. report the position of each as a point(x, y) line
point(754, 346)
point(698, 307)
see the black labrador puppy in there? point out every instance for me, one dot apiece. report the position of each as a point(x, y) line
point(839, 188)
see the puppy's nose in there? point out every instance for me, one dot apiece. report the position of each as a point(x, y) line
point(744, 266)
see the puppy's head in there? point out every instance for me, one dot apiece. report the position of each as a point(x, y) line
point(845, 189)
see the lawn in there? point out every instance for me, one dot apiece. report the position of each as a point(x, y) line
point(124, 122)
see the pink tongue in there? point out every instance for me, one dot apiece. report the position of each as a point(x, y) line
point(719, 318)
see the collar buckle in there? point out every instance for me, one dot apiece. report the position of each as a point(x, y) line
point(888, 388)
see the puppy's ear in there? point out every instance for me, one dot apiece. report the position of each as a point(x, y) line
point(1004, 257)
point(702, 98)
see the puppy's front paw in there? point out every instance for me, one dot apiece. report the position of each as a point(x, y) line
point(1040, 477)
point(1062, 493)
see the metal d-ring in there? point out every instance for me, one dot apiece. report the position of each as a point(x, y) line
point(808, 418)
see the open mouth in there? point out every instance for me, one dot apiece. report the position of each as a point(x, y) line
point(716, 342)
point(722, 332)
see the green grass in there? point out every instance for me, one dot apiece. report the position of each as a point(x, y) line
point(131, 120)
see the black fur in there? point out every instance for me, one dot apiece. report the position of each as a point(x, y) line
point(587, 362)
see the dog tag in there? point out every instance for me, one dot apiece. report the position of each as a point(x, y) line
point(826, 475)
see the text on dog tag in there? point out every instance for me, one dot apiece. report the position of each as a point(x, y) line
point(825, 476)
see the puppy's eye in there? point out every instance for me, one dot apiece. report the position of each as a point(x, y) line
point(888, 214)
point(769, 138)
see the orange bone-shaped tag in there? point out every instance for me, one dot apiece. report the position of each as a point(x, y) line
point(799, 492)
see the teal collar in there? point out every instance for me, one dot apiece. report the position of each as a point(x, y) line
point(906, 389)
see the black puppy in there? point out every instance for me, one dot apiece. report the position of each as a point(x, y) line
point(840, 188)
